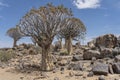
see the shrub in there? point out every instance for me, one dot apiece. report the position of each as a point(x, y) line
point(6, 55)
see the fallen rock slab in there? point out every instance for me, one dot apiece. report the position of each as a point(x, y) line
point(100, 69)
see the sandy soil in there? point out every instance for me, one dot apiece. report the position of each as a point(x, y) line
point(10, 74)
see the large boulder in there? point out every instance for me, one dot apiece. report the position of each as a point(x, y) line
point(117, 58)
point(116, 67)
point(77, 58)
point(107, 52)
point(116, 51)
point(100, 69)
point(89, 54)
point(108, 41)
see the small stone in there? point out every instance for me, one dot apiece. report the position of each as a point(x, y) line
point(84, 76)
point(56, 78)
point(62, 72)
point(44, 75)
point(55, 70)
point(93, 58)
point(71, 74)
point(79, 74)
point(102, 77)
point(21, 78)
point(90, 74)
point(62, 69)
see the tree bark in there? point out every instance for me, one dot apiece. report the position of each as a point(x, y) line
point(68, 44)
point(15, 43)
point(46, 63)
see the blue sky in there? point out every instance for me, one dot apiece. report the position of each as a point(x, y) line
point(99, 16)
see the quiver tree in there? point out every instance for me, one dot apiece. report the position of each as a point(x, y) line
point(15, 34)
point(74, 30)
point(42, 25)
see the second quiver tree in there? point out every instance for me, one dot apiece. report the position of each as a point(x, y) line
point(15, 34)
point(73, 30)
point(42, 25)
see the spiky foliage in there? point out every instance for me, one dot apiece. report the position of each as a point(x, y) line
point(74, 29)
point(42, 25)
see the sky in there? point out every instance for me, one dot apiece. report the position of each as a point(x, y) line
point(99, 16)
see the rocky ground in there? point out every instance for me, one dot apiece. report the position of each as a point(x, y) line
point(86, 63)
point(27, 68)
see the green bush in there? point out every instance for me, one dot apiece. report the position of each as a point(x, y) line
point(6, 55)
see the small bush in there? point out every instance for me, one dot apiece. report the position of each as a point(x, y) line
point(63, 52)
point(6, 55)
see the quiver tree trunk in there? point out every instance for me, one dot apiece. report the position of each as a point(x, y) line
point(46, 63)
point(15, 43)
point(61, 45)
point(68, 45)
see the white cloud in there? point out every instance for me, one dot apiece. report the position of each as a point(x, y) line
point(85, 4)
point(3, 4)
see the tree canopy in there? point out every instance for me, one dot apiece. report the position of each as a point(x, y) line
point(74, 28)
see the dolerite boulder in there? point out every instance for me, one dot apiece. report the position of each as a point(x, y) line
point(78, 51)
point(100, 69)
point(102, 77)
point(111, 69)
point(116, 51)
point(117, 58)
point(107, 41)
point(90, 74)
point(106, 52)
point(77, 58)
point(116, 68)
point(91, 44)
point(89, 54)
point(75, 66)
